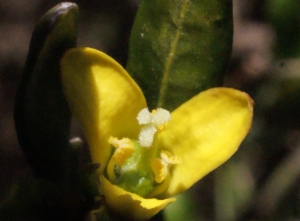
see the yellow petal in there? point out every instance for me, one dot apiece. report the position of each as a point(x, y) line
point(204, 132)
point(130, 205)
point(103, 97)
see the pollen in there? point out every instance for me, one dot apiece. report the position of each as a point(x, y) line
point(152, 122)
point(144, 117)
point(169, 158)
point(156, 118)
point(146, 136)
point(161, 166)
point(160, 169)
point(124, 149)
point(160, 117)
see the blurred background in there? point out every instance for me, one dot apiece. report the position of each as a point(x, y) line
point(261, 181)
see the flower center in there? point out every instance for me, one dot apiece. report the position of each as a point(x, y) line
point(139, 166)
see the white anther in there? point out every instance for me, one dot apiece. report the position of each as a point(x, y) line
point(152, 122)
point(144, 116)
point(160, 117)
point(147, 135)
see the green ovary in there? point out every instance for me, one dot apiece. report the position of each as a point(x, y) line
point(135, 174)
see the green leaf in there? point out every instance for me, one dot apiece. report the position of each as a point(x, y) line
point(42, 115)
point(179, 48)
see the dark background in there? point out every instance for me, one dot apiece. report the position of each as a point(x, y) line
point(261, 182)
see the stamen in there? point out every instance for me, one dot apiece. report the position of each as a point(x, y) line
point(160, 167)
point(154, 121)
point(156, 117)
point(160, 117)
point(124, 149)
point(147, 135)
point(169, 158)
point(144, 116)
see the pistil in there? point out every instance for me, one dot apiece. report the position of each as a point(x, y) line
point(139, 166)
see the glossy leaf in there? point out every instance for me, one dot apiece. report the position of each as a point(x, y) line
point(42, 115)
point(179, 48)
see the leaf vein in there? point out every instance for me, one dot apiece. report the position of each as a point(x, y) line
point(171, 56)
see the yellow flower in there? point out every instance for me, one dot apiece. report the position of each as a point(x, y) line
point(156, 155)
